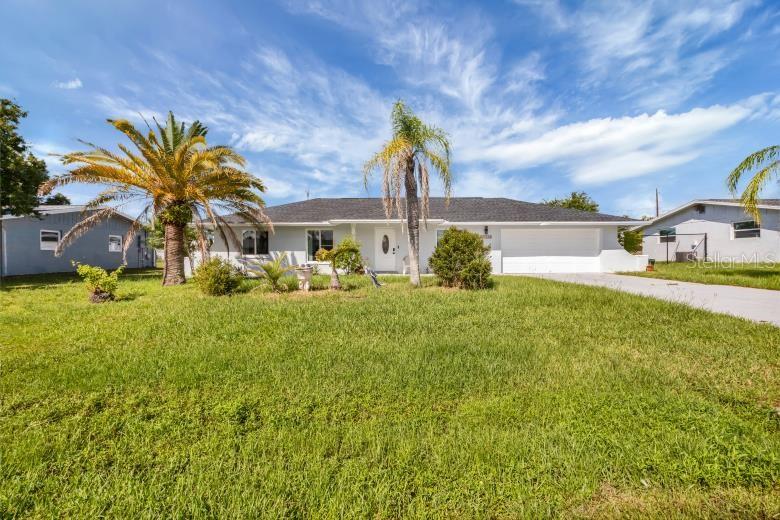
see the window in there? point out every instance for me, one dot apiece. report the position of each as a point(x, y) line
point(114, 244)
point(667, 235)
point(317, 239)
point(49, 240)
point(254, 242)
point(746, 229)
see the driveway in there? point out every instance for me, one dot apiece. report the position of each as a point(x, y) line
point(760, 305)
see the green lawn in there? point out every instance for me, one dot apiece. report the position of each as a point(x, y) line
point(760, 276)
point(532, 399)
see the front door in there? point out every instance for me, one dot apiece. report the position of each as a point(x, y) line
point(385, 249)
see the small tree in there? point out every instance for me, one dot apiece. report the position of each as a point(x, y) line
point(58, 199)
point(460, 260)
point(630, 240)
point(346, 256)
point(101, 285)
point(577, 200)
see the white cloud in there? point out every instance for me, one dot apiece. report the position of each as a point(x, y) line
point(68, 85)
point(659, 53)
point(486, 183)
point(602, 150)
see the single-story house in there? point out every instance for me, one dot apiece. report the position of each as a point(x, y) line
point(523, 237)
point(714, 229)
point(27, 243)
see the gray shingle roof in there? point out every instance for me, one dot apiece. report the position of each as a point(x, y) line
point(460, 209)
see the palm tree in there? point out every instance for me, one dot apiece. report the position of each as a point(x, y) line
point(176, 175)
point(405, 160)
point(768, 160)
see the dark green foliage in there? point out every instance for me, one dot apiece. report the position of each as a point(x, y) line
point(577, 200)
point(460, 260)
point(217, 277)
point(21, 173)
point(180, 214)
point(58, 199)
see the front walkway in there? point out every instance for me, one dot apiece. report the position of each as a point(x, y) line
point(759, 305)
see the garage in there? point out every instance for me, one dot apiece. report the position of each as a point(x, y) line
point(550, 250)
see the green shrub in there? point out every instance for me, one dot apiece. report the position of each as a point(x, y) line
point(101, 285)
point(288, 283)
point(460, 260)
point(476, 274)
point(217, 277)
point(275, 270)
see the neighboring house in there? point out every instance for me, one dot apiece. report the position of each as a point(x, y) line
point(28, 243)
point(523, 237)
point(714, 229)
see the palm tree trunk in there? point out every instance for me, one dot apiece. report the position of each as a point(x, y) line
point(174, 254)
point(335, 283)
point(412, 223)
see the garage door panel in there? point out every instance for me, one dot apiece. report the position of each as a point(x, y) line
point(550, 250)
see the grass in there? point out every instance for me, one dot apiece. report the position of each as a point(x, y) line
point(533, 399)
point(760, 276)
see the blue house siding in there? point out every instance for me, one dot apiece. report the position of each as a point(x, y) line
point(22, 252)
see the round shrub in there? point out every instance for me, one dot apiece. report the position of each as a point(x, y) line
point(460, 260)
point(217, 277)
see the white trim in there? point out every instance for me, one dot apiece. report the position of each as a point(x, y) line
point(705, 203)
point(40, 239)
point(120, 243)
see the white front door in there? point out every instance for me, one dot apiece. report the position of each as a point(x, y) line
point(385, 249)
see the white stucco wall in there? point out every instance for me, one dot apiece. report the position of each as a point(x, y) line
point(514, 248)
point(716, 222)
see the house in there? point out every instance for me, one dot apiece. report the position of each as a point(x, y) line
point(714, 229)
point(523, 237)
point(27, 244)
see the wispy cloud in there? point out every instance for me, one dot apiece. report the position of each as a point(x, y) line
point(602, 150)
point(658, 53)
point(68, 85)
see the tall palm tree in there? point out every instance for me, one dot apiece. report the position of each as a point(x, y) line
point(405, 160)
point(175, 174)
point(767, 162)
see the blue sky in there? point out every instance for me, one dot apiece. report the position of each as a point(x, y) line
point(539, 97)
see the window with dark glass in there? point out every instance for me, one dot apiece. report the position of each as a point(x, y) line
point(317, 239)
point(668, 235)
point(254, 242)
point(262, 242)
point(746, 229)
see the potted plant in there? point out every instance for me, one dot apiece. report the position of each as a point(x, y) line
point(651, 264)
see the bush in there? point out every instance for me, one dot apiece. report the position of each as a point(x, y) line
point(476, 274)
point(101, 285)
point(460, 260)
point(217, 277)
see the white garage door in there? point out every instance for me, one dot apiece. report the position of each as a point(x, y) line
point(550, 250)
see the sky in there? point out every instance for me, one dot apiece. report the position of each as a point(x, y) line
point(539, 97)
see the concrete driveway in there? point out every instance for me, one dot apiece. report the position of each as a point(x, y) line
point(760, 305)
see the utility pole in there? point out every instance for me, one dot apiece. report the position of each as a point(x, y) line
point(657, 210)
